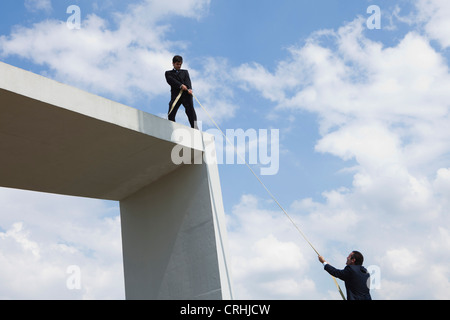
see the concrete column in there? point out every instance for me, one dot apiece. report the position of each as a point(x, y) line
point(173, 239)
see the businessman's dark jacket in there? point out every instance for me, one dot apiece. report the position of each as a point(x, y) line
point(176, 79)
point(356, 280)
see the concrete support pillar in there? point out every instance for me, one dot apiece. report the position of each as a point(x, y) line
point(172, 239)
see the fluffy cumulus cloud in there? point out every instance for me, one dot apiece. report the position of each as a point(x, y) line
point(267, 262)
point(54, 247)
point(124, 56)
point(434, 14)
point(388, 110)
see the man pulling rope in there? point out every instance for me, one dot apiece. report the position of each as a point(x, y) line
point(181, 92)
point(354, 275)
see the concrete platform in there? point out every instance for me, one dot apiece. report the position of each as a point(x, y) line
point(58, 139)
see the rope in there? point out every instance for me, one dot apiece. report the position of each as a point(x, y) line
point(267, 189)
point(175, 102)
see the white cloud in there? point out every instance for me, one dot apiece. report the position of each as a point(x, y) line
point(212, 87)
point(375, 104)
point(93, 57)
point(442, 182)
point(45, 234)
point(122, 62)
point(124, 57)
point(398, 259)
point(435, 13)
point(156, 9)
point(267, 262)
point(37, 5)
point(387, 108)
point(17, 235)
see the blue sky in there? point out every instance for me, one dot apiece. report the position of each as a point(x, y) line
point(364, 150)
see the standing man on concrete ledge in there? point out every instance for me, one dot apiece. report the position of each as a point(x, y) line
point(355, 276)
point(181, 91)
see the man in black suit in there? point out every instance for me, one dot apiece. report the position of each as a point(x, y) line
point(179, 80)
point(355, 276)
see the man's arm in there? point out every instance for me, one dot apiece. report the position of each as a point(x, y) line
point(340, 274)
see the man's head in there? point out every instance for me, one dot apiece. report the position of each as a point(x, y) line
point(177, 62)
point(355, 258)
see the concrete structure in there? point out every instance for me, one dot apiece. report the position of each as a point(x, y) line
point(58, 139)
